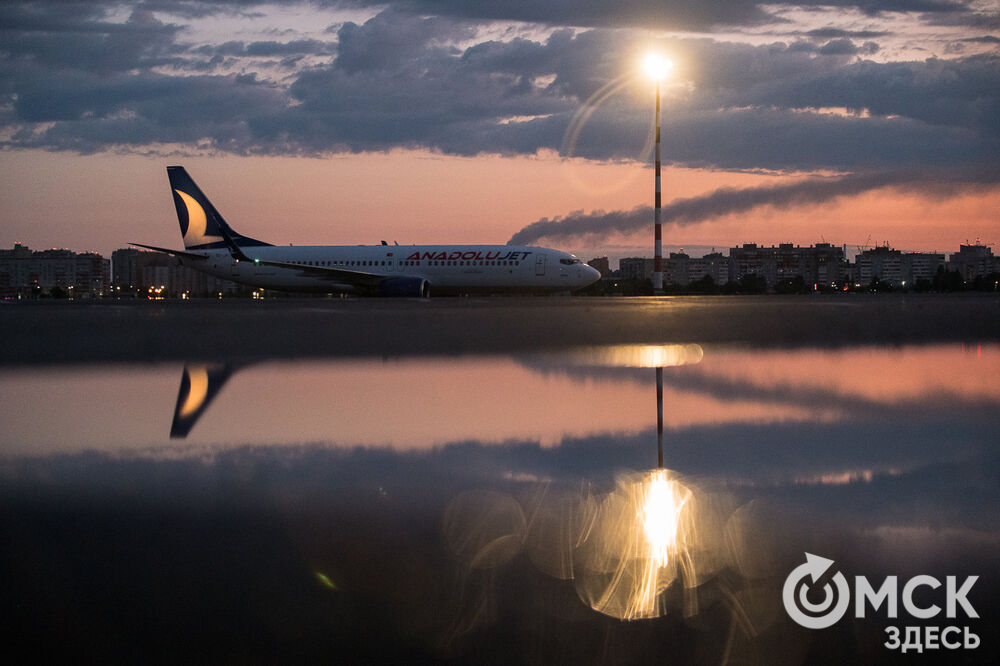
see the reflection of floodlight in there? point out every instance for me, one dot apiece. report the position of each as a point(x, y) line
point(640, 544)
point(657, 66)
point(660, 514)
point(633, 356)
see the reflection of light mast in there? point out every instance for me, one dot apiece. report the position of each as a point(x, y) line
point(659, 416)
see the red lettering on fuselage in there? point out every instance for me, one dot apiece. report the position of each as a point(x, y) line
point(478, 255)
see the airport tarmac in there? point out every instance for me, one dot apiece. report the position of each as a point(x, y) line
point(146, 331)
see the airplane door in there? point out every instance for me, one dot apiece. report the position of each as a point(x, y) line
point(540, 265)
point(390, 264)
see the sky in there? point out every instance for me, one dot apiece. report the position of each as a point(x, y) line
point(855, 122)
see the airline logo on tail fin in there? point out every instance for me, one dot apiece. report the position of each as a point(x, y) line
point(201, 224)
point(195, 227)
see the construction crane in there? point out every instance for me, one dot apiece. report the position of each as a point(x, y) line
point(862, 248)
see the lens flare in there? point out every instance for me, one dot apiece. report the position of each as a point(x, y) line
point(654, 544)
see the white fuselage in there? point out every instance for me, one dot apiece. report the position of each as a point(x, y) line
point(446, 268)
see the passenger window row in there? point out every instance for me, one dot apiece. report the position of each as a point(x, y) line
point(407, 263)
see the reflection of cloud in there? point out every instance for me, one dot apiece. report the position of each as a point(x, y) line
point(323, 552)
point(845, 477)
point(806, 426)
point(403, 404)
point(829, 384)
point(878, 375)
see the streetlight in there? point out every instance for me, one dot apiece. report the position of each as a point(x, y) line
point(656, 67)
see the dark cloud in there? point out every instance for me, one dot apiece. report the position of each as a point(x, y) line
point(695, 15)
point(960, 93)
point(984, 19)
point(676, 14)
point(199, 9)
point(836, 33)
point(646, 14)
point(262, 54)
point(53, 17)
point(392, 40)
point(296, 47)
point(841, 46)
point(135, 110)
point(399, 79)
point(876, 7)
point(52, 40)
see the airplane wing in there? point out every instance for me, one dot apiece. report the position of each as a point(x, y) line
point(329, 273)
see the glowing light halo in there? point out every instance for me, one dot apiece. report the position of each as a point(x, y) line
point(580, 118)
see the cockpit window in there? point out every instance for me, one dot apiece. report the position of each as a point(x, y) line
point(570, 261)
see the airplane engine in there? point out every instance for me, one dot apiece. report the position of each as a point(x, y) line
point(412, 287)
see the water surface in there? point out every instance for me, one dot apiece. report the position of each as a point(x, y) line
point(489, 507)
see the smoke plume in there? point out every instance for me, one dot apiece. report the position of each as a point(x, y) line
point(728, 200)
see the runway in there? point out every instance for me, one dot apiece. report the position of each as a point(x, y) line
point(144, 331)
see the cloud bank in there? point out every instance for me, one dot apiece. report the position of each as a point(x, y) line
point(460, 79)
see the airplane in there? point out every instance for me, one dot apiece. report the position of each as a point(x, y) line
point(212, 246)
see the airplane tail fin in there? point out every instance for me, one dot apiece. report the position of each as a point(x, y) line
point(201, 224)
point(200, 384)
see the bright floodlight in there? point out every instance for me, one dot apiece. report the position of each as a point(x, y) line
point(657, 66)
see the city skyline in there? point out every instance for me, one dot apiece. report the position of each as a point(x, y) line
point(25, 273)
point(440, 122)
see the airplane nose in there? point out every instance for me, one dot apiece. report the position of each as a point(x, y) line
point(590, 275)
